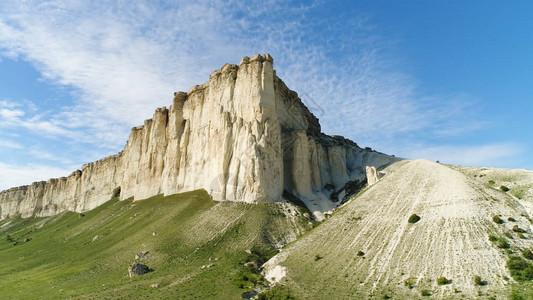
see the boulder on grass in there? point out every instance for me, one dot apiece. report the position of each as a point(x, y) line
point(138, 269)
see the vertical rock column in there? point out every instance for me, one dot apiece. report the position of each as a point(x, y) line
point(175, 128)
point(260, 166)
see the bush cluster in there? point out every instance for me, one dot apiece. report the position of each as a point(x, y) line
point(520, 269)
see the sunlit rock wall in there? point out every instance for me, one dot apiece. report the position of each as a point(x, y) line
point(242, 136)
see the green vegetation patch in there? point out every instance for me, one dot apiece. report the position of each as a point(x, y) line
point(518, 229)
point(497, 220)
point(413, 219)
point(527, 254)
point(522, 291)
point(278, 292)
point(197, 248)
point(493, 238)
point(410, 282)
point(443, 281)
point(478, 280)
point(503, 244)
point(504, 188)
point(520, 269)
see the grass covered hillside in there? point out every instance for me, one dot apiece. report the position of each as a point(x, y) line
point(196, 247)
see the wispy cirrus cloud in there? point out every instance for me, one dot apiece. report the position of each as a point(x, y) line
point(123, 60)
point(13, 115)
point(127, 59)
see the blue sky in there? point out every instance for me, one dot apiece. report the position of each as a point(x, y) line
point(442, 80)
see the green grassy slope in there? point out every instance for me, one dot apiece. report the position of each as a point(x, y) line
point(61, 260)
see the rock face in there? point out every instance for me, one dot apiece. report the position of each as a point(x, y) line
point(372, 175)
point(242, 136)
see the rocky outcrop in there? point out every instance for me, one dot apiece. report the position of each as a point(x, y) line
point(372, 175)
point(242, 136)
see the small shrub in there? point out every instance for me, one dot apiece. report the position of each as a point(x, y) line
point(518, 229)
point(478, 281)
point(493, 238)
point(426, 293)
point(318, 257)
point(410, 282)
point(504, 188)
point(503, 244)
point(521, 235)
point(413, 218)
point(443, 281)
point(497, 220)
point(360, 253)
point(9, 238)
point(527, 254)
point(491, 182)
point(511, 219)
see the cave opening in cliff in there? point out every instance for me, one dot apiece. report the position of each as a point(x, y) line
point(116, 193)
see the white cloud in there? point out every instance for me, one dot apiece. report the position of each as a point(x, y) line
point(10, 144)
point(475, 155)
point(124, 60)
point(17, 175)
point(8, 104)
point(12, 115)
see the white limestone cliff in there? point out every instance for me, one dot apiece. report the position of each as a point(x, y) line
point(242, 136)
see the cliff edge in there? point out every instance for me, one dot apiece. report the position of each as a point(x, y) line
point(242, 136)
